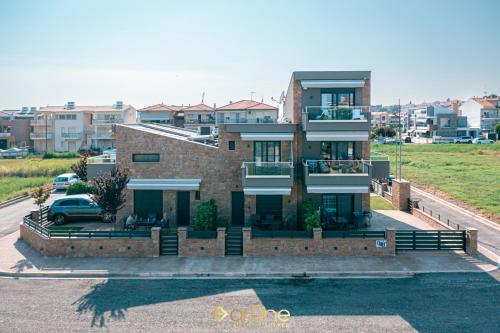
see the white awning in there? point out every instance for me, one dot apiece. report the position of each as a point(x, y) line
point(266, 136)
point(337, 136)
point(267, 191)
point(164, 184)
point(332, 83)
point(337, 189)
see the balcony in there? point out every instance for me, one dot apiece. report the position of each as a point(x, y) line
point(344, 123)
point(5, 134)
point(41, 122)
point(99, 121)
point(247, 120)
point(103, 135)
point(337, 176)
point(267, 178)
point(40, 136)
point(71, 136)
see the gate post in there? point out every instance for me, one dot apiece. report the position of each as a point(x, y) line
point(155, 238)
point(471, 241)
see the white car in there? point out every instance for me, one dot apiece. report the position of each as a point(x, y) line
point(482, 141)
point(62, 182)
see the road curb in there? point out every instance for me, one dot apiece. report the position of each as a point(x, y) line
point(216, 275)
point(14, 201)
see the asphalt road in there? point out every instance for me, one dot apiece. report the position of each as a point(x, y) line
point(426, 303)
point(489, 237)
point(12, 216)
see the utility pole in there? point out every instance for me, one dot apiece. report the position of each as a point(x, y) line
point(400, 146)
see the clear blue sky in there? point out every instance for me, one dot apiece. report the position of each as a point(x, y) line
point(146, 52)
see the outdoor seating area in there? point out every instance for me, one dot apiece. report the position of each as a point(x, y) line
point(334, 167)
point(331, 221)
point(265, 222)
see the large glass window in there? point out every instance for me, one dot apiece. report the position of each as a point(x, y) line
point(344, 97)
point(267, 151)
point(331, 150)
point(337, 207)
point(147, 158)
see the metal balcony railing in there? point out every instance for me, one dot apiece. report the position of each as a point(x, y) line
point(5, 134)
point(258, 120)
point(336, 113)
point(268, 169)
point(97, 121)
point(40, 136)
point(336, 167)
point(71, 136)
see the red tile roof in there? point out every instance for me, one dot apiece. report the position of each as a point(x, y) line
point(156, 107)
point(485, 102)
point(199, 107)
point(248, 105)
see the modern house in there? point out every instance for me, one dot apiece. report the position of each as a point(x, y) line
point(15, 127)
point(259, 166)
point(246, 111)
point(161, 114)
point(199, 115)
point(482, 114)
point(72, 127)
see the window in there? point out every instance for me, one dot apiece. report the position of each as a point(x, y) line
point(66, 203)
point(66, 116)
point(337, 207)
point(197, 195)
point(335, 97)
point(147, 158)
point(267, 151)
point(337, 150)
point(231, 145)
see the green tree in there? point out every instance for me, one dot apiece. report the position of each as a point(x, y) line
point(41, 194)
point(497, 130)
point(80, 168)
point(206, 216)
point(109, 191)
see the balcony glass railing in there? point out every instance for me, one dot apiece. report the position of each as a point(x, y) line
point(98, 121)
point(352, 113)
point(271, 169)
point(264, 120)
point(71, 135)
point(335, 167)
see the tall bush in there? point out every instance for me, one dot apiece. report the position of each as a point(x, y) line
point(206, 216)
point(80, 168)
point(109, 190)
point(79, 188)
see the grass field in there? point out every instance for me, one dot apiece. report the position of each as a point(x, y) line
point(466, 173)
point(19, 176)
point(379, 203)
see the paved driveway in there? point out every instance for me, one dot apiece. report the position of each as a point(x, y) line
point(489, 235)
point(12, 216)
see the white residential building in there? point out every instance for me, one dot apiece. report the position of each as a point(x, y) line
point(482, 114)
point(72, 127)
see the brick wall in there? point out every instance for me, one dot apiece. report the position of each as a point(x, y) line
point(316, 246)
point(115, 247)
point(200, 247)
point(400, 193)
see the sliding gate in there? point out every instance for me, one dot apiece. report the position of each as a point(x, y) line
point(409, 240)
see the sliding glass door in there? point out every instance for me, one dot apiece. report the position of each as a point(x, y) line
point(342, 150)
point(337, 208)
point(267, 151)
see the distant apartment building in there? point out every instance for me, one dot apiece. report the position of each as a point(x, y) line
point(15, 127)
point(380, 119)
point(434, 120)
point(260, 169)
point(246, 111)
point(162, 114)
point(199, 115)
point(72, 127)
point(482, 114)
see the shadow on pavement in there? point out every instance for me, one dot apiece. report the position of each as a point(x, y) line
point(430, 302)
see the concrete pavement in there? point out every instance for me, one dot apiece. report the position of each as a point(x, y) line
point(489, 232)
point(19, 260)
point(11, 216)
point(465, 302)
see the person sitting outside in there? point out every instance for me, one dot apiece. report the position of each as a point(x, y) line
point(130, 222)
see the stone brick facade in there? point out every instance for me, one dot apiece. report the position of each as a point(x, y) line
point(400, 193)
point(317, 246)
point(201, 247)
point(114, 247)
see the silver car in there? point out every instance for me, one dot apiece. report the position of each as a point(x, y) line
point(74, 207)
point(62, 182)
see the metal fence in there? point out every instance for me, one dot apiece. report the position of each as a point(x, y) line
point(353, 234)
point(430, 240)
point(281, 234)
point(79, 234)
point(437, 216)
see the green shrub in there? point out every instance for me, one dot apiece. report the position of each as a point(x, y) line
point(312, 221)
point(79, 188)
point(52, 154)
point(206, 216)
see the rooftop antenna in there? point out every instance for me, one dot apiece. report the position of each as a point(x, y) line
point(203, 98)
point(251, 95)
point(281, 99)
